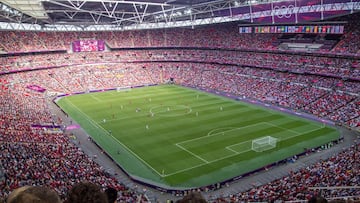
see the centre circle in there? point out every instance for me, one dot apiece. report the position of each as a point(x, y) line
point(170, 110)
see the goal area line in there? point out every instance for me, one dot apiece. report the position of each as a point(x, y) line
point(230, 147)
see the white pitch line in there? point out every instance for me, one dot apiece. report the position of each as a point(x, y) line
point(96, 125)
point(122, 118)
point(225, 157)
point(296, 133)
point(228, 148)
point(309, 131)
point(97, 99)
point(209, 162)
point(215, 134)
point(186, 169)
point(293, 131)
point(192, 153)
point(178, 144)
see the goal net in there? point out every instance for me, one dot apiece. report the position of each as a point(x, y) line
point(263, 144)
point(123, 89)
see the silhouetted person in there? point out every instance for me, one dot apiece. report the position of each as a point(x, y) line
point(33, 194)
point(111, 194)
point(86, 192)
point(317, 199)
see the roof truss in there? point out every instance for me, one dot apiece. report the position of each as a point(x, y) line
point(74, 15)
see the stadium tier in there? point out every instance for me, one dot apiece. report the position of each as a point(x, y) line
point(212, 36)
point(38, 66)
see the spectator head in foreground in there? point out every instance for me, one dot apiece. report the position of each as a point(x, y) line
point(33, 194)
point(317, 199)
point(111, 194)
point(86, 192)
point(192, 197)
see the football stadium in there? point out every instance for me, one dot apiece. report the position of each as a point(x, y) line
point(168, 100)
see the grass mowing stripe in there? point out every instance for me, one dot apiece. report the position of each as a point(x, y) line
point(106, 132)
point(199, 162)
point(215, 134)
point(94, 97)
point(205, 161)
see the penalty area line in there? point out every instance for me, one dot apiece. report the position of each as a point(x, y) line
point(295, 132)
point(208, 162)
point(229, 148)
point(192, 153)
point(185, 169)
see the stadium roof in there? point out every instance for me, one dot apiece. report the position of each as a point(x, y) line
point(77, 15)
point(117, 13)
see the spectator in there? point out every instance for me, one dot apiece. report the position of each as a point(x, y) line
point(317, 199)
point(192, 197)
point(86, 192)
point(111, 194)
point(33, 194)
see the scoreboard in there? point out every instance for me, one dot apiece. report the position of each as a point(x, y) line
point(313, 29)
point(245, 29)
point(88, 45)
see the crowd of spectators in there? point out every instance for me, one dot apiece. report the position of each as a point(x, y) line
point(343, 67)
point(211, 37)
point(35, 151)
point(326, 86)
point(224, 36)
point(321, 95)
point(349, 42)
point(36, 148)
point(339, 170)
point(82, 192)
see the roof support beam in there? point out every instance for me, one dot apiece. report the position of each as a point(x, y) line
point(140, 15)
point(121, 1)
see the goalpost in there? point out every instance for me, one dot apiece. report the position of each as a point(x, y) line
point(123, 89)
point(263, 144)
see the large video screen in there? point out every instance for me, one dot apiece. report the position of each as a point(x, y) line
point(88, 45)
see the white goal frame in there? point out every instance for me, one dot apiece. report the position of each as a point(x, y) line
point(123, 89)
point(263, 143)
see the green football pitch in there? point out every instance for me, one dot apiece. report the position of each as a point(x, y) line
point(178, 137)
